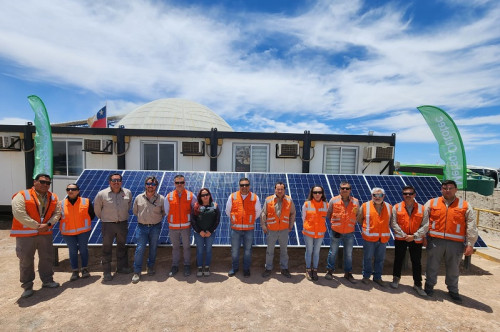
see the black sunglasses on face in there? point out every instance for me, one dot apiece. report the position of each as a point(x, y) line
point(151, 184)
point(345, 188)
point(44, 182)
point(180, 182)
point(72, 189)
point(245, 185)
point(408, 194)
point(204, 195)
point(317, 192)
point(116, 180)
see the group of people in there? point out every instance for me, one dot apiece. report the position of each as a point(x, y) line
point(445, 225)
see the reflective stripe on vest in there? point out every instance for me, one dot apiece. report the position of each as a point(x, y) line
point(448, 222)
point(366, 230)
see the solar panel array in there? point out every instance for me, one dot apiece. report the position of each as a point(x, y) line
point(222, 184)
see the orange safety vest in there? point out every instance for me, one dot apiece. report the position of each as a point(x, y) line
point(275, 223)
point(31, 203)
point(448, 222)
point(243, 211)
point(179, 213)
point(375, 226)
point(75, 218)
point(409, 224)
point(343, 219)
point(314, 221)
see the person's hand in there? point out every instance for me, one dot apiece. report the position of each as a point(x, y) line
point(264, 229)
point(202, 233)
point(43, 227)
point(207, 234)
point(469, 250)
point(409, 238)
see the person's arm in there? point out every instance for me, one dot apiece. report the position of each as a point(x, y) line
point(303, 212)
point(471, 233)
point(135, 209)
point(90, 210)
point(229, 205)
point(258, 208)
point(329, 213)
point(423, 229)
point(19, 212)
point(98, 205)
point(166, 205)
point(56, 215)
point(293, 213)
point(263, 218)
point(359, 217)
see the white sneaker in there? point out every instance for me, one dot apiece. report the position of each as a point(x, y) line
point(136, 278)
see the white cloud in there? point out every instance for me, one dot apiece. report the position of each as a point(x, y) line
point(149, 50)
point(14, 121)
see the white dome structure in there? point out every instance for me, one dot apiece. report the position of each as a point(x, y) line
point(174, 114)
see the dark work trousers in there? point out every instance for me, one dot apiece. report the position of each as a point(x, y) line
point(415, 256)
point(111, 230)
point(25, 249)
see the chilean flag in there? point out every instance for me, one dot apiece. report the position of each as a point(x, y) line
point(99, 120)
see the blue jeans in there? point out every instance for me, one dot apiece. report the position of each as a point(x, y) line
point(373, 250)
point(348, 241)
point(236, 237)
point(313, 247)
point(203, 248)
point(78, 243)
point(146, 234)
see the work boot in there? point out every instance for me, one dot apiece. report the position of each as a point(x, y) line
point(266, 273)
point(135, 278)
point(309, 274)
point(151, 271)
point(50, 284)
point(349, 277)
point(365, 280)
point(286, 273)
point(429, 290)
point(107, 276)
point(206, 271)
point(395, 282)
point(380, 282)
point(455, 297)
point(74, 276)
point(187, 270)
point(173, 271)
point(329, 274)
point(27, 293)
point(315, 274)
point(200, 272)
point(419, 290)
point(85, 272)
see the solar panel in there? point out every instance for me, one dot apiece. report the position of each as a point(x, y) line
point(222, 184)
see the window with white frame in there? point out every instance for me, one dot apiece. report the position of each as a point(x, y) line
point(69, 157)
point(340, 159)
point(251, 157)
point(158, 155)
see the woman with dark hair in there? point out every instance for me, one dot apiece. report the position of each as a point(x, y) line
point(313, 215)
point(205, 219)
point(75, 226)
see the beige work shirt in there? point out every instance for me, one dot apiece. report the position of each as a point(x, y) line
point(113, 207)
point(149, 211)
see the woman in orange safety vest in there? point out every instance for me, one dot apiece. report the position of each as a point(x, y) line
point(313, 215)
point(75, 226)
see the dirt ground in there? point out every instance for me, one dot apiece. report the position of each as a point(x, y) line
point(220, 303)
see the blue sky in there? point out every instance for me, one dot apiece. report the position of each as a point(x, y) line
point(344, 67)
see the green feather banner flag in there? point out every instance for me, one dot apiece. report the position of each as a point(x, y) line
point(451, 147)
point(43, 138)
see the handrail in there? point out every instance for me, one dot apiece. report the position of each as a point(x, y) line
point(490, 228)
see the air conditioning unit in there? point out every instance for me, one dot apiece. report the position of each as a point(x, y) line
point(98, 146)
point(10, 143)
point(193, 148)
point(379, 153)
point(287, 150)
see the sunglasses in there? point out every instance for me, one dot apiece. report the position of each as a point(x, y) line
point(116, 180)
point(317, 192)
point(345, 188)
point(408, 194)
point(151, 184)
point(378, 195)
point(180, 182)
point(204, 195)
point(245, 185)
point(72, 189)
point(44, 182)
